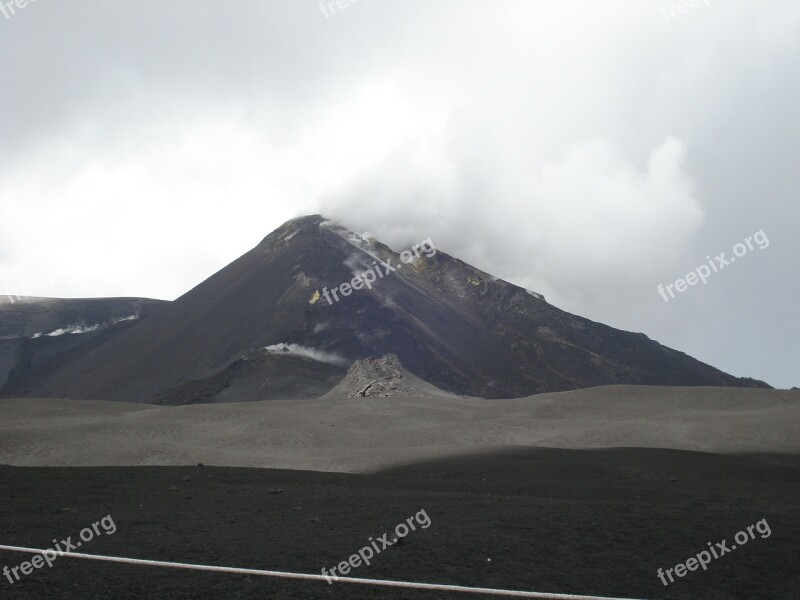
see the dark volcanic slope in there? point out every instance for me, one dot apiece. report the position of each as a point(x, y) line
point(450, 324)
point(38, 335)
point(259, 375)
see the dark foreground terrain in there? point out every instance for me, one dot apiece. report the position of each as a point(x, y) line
point(582, 522)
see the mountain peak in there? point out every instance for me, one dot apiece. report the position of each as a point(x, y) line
point(290, 228)
point(317, 285)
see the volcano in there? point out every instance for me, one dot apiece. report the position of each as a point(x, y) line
point(289, 317)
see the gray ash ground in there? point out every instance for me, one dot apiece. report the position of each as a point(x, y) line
point(599, 522)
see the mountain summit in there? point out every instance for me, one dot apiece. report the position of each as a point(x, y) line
point(314, 297)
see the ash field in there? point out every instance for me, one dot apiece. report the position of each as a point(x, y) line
point(549, 453)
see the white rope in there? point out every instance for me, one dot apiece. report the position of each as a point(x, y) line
point(313, 577)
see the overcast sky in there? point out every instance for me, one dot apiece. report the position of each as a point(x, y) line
point(586, 150)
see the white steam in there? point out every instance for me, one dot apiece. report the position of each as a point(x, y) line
point(330, 358)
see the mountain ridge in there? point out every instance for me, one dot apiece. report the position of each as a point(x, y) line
point(450, 324)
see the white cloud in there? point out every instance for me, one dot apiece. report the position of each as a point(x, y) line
point(586, 150)
point(590, 220)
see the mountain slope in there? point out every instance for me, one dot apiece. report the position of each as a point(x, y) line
point(42, 334)
point(454, 326)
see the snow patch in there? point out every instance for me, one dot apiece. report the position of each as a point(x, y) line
point(79, 328)
point(362, 242)
point(346, 234)
point(121, 319)
point(536, 295)
point(73, 329)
